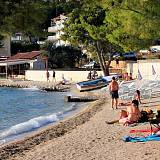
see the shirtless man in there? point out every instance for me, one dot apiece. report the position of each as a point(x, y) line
point(132, 114)
point(113, 88)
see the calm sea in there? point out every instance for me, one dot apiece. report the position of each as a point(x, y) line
point(25, 110)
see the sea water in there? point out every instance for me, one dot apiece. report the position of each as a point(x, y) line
point(25, 110)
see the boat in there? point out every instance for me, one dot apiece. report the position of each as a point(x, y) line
point(95, 83)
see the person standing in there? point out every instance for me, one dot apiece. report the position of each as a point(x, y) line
point(113, 88)
point(47, 75)
point(117, 63)
point(94, 74)
point(89, 75)
point(54, 76)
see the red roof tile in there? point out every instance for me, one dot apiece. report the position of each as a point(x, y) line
point(26, 55)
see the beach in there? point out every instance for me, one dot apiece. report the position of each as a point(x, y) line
point(85, 136)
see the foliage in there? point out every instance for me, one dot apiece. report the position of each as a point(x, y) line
point(100, 26)
point(23, 47)
point(132, 24)
point(1, 41)
point(23, 16)
point(47, 46)
point(63, 56)
point(85, 27)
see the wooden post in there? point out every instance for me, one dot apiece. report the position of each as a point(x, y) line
point(6, 71)
point(19, 69)
point(47, 68)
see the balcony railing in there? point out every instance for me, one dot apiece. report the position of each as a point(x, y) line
point(54, 38)
point(55, 28)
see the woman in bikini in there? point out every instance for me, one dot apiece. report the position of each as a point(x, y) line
point(132, 114)
point(138, 96)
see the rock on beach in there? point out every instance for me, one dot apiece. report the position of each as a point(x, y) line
point(48, 86)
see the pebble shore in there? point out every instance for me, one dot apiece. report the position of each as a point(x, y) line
point(86, 136)
point(31, 84)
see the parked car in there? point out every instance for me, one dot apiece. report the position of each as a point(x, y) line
point(91, 65)
point(129, 56)
point(116, 55)
point(154, 50)
point(125, 56)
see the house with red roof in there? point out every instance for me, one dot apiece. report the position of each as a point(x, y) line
point(17, 64)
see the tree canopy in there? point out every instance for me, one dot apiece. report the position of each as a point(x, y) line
point(99, 26)
point(62, 56)
point(86, 27)
point(25, 16)
point(107, 26)
point(132, 24)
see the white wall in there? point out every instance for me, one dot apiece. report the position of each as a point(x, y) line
point(74, 76)
point(145, 68)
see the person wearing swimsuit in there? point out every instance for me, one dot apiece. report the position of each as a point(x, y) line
point(132, 114)
point(138, 96)
point(113, 88)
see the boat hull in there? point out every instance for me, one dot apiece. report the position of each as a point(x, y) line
point(94, 84)
point(91, 85)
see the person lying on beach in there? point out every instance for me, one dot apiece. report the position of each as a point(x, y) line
point(132, 115)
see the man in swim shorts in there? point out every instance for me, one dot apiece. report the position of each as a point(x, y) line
point(113, 88)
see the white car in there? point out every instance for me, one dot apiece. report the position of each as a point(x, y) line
point(154, 50)
point(91, 64)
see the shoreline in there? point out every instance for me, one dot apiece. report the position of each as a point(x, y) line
point(22, 135)
point(85, 135)
point(52, 131)
point(46, 86)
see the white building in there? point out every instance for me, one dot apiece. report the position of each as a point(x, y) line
point(17, 64)
point(56, 27)
point(5, 50)
point(157, 47)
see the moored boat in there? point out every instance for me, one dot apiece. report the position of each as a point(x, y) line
point(95, 83)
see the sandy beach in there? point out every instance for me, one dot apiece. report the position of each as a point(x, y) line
point(85, 136)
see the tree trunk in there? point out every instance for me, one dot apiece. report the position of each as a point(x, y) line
point(107, 67)
point(100, 58)
point(104, 66)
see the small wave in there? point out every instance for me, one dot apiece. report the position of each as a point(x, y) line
point(33, 88)
point(66, 112)
point(71, 108)
point(28, 126)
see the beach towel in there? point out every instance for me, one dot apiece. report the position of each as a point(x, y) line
point(143, 130)
point(153, 137)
